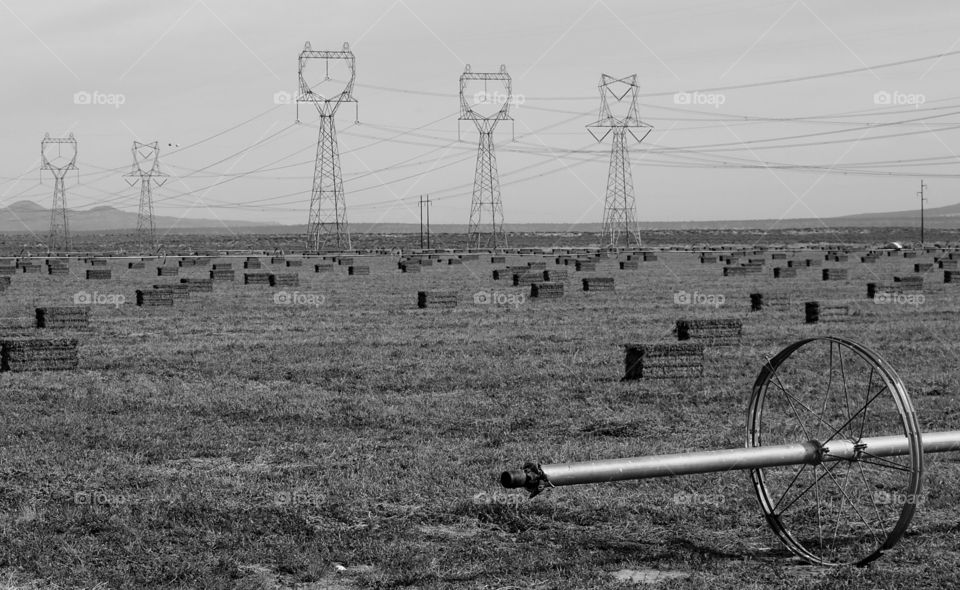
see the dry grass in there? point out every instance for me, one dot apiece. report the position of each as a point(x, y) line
point(234, 442)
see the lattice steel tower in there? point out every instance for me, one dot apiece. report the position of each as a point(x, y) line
point(146, 171)
point(53, 159)
point(486, 179)
point(328, 208)
point(619, 117)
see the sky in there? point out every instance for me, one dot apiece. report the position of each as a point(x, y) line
point(732, 138)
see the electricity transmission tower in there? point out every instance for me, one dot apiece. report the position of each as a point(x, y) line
point(146, 171)
point(328, 208)
point(58, 164)
point(486, 180)
point(618, 116)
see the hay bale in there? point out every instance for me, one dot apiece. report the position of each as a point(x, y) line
point(454, 261)
point(834, 274)
point(136, 265)
point(256, 278)
point(414, 268)
point(222, 275)
point(663, 361)
point(154, 298)
point(498, 260)
point(583, 266)
point(8, 270)
point(438, 299)
point(177, 291)
point(537, 265)
point(556, 275)
point(198, 285)
point(716, 332)
point(73, 317)
point(278, 260)
point(546, 290)
point(252, 264)
point(922, 267)
point(168, 271)
point(30, 268)
point(284, 280)
point(595, 284)
point(99, 262)
point(526, 278)
point(294, 263)
point(784, 273)
point(58, 270)
point(345, 261)
point(356, 271)
point(324, 267)
point(98, 274)
point(38, 354)
point(816, 311)
point(629, 265)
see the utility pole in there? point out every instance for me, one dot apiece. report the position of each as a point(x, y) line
point(59, 164)
point(146, 171)
point(328, 207)
point(486, 180)
point(619, 116)
point(922, 199)
point(428, 201)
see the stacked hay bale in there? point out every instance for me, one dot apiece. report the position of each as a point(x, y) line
point(252, 263)
point(198, 285)
point(362, 270)
point(323, 267)
point(556, 275)
point(99, 274)
point(594, 284)
point(179, 291)
point(71, 318)
point(38, 354)
point(154, 298)
point(715, 332)
point(256, 278)
point(284, 280)
point(436, 299)
point(222, 274)
point(526, 278)
point(168, 271)
point(834, 274)
point(546, 290)
point(663, 361)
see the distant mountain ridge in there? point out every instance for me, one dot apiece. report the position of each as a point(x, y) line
point(30, 217)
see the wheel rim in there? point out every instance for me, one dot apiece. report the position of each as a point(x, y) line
point(835, 512)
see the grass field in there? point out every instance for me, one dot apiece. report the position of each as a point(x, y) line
point(236, 442)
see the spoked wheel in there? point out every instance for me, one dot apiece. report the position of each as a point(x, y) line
point(848, 506)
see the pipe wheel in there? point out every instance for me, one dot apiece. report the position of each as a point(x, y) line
point(834, 393)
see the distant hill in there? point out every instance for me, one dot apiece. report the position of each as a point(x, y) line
point(27, 216)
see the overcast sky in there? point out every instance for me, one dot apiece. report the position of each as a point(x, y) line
point(183, 72)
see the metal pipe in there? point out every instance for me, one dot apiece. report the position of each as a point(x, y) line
point(535, 477)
